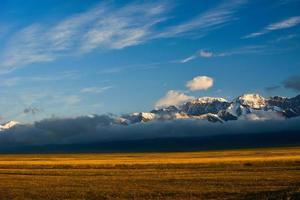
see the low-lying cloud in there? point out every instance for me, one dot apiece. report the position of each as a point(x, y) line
point(172, 98)
point(103, 128)
point(175, 98)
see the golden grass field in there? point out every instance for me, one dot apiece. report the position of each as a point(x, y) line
point(229, 174)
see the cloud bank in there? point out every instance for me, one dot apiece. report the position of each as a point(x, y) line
point(101, 128)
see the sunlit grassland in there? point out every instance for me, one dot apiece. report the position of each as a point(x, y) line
point(229, 174)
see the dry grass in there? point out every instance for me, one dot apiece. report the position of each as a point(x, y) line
point(240, 174)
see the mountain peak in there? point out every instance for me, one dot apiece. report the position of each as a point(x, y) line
point(252, 100)
point(8, 125)
point(208, 100)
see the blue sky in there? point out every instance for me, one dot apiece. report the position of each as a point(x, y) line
point(73, 57)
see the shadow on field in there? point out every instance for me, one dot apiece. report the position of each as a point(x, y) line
point(291, 193)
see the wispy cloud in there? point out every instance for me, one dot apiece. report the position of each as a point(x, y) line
point(284, 38)
point(249, 49)
point(101, 27)
point(13, 81)
point(134, 67)
point(205, 53)
point(264, 49)
point(284, 24)
point(105, 27)
point(31, 110)
point(95, 90)
point(128, 26)
point(71, 99)
point(205, 22)
point(188, 59)
point(283, 2)
point(28, 104)
point(201, 53)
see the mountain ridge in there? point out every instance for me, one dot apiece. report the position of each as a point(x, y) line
point(213, 109)
point(9, 125)
point(250, 106)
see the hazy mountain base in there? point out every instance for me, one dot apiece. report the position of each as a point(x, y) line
point(97, 133)
point(233, 141)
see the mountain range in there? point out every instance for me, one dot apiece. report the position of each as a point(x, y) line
point(8, 125)
point(246, 107)
point(249, 120)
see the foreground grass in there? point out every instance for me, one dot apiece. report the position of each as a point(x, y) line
point(240, 174)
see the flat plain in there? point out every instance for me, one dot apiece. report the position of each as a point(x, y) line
point(270, 173)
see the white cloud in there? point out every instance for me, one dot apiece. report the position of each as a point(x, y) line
point(13, 81)
point(206, 54)
point(128, 26)
point(284, 24)
point(200, 83)
point(105, 27)
point(202, 53)
point(172, 98)
point(188, 59)
point(10, 81)
point(205, 22)
point(47, 100)
point(175, 98)
point(71, 99)
point(285, 38)
point(250, 49)
point(288, 23)
point(265, 49)
point(95, 90)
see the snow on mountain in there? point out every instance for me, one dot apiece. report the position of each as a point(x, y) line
point(254, 101)
point(204, 105)
point(290, 106)
point(252, 107)
point(209, 116)
point(205, 100)
point(8, 125)
point(136, 117)
point(247, 107)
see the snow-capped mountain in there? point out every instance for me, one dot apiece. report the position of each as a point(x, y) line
point(8, 125)
point(247, 104)
point(136, 117)
point(247, 107)
point(204, 105)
